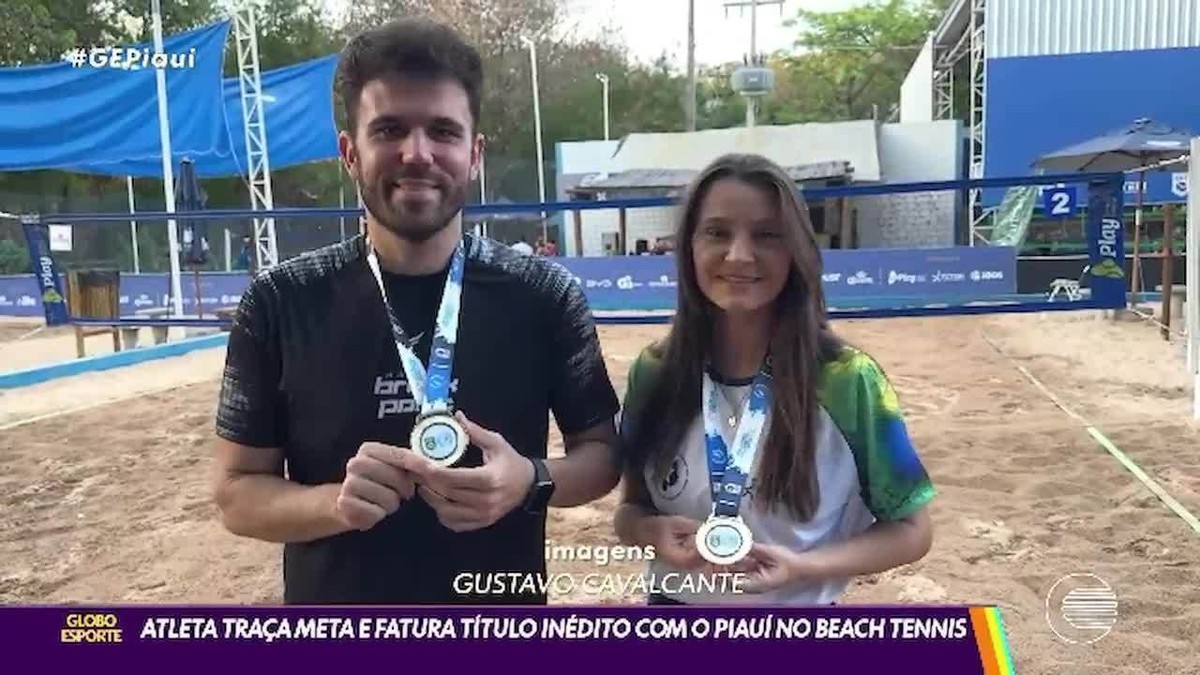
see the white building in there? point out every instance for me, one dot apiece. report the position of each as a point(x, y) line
point(837, 153)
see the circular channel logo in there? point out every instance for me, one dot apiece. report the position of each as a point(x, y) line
point(1081, 608)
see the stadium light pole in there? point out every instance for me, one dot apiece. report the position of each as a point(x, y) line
point(604, 84)
point(164, 133)
point(537, 123)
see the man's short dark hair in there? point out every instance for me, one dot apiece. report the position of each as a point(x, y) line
point(416, 47)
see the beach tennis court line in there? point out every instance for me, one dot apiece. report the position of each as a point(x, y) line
point(96, 404)
point(100, 362)
point(1104, 442)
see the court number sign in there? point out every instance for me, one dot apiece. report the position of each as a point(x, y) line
point(1060, 201)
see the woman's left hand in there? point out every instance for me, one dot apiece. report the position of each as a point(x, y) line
point(768, 567)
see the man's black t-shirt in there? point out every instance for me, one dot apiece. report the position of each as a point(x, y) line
point(312, 368)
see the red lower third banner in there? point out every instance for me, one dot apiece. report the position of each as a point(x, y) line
point(905, 639)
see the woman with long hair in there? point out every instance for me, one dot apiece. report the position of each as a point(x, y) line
point(757, 442)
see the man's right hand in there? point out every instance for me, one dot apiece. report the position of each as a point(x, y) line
point(374, 486)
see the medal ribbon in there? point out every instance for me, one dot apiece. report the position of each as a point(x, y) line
point(431, 390)
point(729, 470)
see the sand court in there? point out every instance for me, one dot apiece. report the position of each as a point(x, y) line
point(110, 504)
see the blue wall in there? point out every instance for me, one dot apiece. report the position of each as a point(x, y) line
point(1039, 104)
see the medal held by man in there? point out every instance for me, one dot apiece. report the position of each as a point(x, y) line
point(437, 435)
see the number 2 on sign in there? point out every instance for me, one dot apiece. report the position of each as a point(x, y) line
point(1060, 202)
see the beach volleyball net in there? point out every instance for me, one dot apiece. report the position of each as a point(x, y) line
point(888, 249)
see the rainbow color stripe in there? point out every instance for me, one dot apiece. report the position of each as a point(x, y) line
point(992, 642)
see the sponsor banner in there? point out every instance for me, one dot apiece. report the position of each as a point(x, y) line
point(638, 282)
point(138, 292)
point(614, 283)
point(843, 639)
point(920, 274)
point(45, 284)
point(1106, 245)
point(935, 274)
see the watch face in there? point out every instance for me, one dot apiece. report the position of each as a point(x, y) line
point(542, 492)
point(542, 489)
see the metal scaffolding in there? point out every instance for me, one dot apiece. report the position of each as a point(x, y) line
point(980, 231)
point(961, 35)
point(258, 165)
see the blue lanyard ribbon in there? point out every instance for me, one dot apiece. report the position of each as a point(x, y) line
point(431, 390)
point(729, 470)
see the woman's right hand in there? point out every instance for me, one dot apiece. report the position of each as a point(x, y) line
point(674, 541)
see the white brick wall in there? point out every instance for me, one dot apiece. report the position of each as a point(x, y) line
point(909, 152)
point(912, 220)
point(912, 153)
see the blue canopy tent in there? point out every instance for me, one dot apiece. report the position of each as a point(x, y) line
point(80, 118)
point(1143, 146)
point(139, 122)
point(114, 116)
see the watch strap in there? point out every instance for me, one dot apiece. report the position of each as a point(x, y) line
point(538, 497)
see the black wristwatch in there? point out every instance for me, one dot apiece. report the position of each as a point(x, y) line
point(538, 498)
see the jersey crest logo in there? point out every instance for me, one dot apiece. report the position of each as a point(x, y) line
point(673, 484)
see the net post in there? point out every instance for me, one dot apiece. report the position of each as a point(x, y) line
point(1106, 242)
point(1168, 272)
point(1192, 259)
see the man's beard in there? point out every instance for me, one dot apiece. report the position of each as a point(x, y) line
point(419, 226)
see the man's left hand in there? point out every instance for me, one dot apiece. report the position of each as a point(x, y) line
point(468, 499)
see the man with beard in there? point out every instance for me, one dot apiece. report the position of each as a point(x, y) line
point(329, 369)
